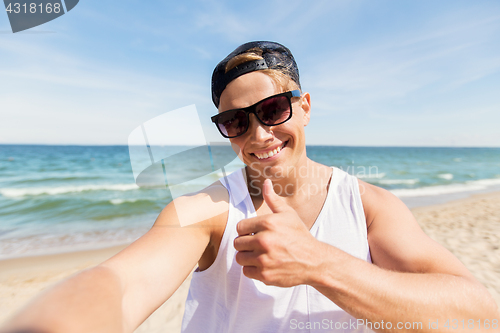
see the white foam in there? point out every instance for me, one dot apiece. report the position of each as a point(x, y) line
point(371, 176)
point(487, 182)
point(120, 201)
point(117, 201)
point(399, 181)
point(473, 185)
point(447, 176)
point(22, 192)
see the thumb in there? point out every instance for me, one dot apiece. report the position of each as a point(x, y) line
point(274, 201)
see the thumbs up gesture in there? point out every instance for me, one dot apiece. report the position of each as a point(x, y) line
point(276, 248)
point(276, 203)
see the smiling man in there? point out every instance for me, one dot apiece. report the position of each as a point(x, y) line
point(341, 251)
point(284, 244)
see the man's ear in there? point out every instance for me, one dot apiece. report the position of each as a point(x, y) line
point(305, 100)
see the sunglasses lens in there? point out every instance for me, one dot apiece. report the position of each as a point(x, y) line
point(233, 123)
point(274, 110)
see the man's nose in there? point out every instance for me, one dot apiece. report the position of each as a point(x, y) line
point(258, 131)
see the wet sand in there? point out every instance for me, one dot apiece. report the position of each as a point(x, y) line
point(469, 228)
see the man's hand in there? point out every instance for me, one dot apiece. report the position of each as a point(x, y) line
point(277, 248)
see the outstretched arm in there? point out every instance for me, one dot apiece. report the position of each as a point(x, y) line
point(119, 294)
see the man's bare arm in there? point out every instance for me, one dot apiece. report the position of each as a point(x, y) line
point(414, 279)
point(87, 302)
point(119, 294)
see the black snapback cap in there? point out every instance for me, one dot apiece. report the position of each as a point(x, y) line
point(275, 56)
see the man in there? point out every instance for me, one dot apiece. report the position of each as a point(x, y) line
point(285, 244)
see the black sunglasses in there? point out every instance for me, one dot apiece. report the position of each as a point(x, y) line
point(271, 111)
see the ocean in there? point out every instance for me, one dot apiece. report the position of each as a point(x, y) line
point(66, 198)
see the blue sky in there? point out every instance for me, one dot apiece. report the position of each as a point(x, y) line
point(380, 73)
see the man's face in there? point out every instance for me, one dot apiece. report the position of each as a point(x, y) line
point(260, 139)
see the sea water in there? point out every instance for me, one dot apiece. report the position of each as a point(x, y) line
point(65, 198)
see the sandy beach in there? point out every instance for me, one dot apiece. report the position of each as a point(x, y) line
point(469, 228)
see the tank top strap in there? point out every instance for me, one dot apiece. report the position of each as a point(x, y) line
point(236, 185)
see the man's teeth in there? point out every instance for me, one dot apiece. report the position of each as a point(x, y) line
point(269, 153)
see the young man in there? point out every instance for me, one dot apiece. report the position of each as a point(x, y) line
point(285, 244)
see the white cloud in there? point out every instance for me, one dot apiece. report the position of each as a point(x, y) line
point(62, 98)
point(441, 66)
point(402, 64)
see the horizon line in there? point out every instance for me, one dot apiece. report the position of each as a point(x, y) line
point(307, 145)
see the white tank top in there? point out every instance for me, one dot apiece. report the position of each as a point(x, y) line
point(223, 300)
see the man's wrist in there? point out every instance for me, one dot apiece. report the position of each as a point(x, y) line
point(320, 274)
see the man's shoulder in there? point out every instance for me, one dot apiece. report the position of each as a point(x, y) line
point(377, 200)
point(207, 206)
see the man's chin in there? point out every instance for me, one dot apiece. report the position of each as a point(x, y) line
point(274, 172)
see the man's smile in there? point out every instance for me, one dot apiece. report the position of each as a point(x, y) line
point(268, 153)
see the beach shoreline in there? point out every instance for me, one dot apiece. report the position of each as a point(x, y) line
point(472, 221)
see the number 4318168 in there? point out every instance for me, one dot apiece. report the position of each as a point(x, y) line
point(471, 324)
point(33, 8)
